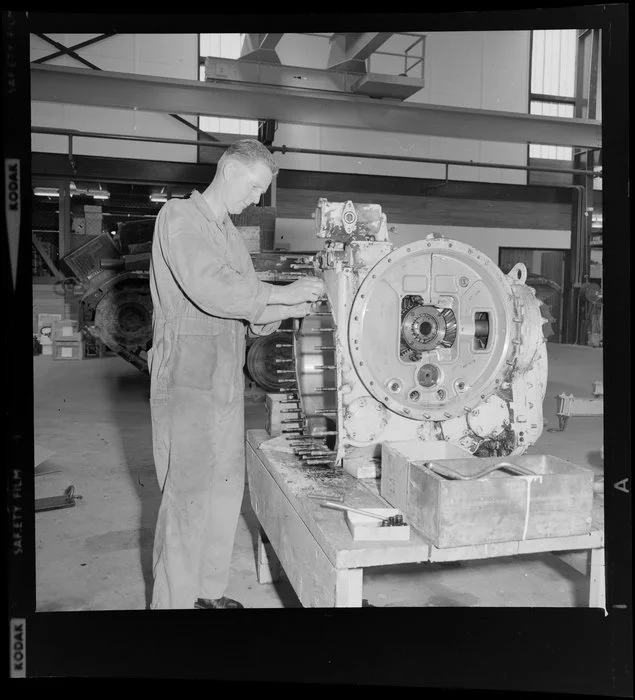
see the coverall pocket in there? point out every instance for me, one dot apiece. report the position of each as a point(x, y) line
point(195, 361)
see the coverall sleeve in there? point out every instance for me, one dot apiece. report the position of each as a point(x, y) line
point(264, 328)
point(198, 261)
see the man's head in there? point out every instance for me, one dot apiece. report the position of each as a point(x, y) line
point(244, 173)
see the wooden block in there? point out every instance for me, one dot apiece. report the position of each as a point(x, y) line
point(556, 502)
point(367, 528)
point(362, 467)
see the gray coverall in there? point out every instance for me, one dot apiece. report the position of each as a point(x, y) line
point(203, 288)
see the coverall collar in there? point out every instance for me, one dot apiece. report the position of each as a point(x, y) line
point(203, 207)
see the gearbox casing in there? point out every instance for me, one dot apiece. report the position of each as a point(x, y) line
point(431, 341)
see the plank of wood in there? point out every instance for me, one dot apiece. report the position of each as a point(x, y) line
point(406, 209)
point(315, 580)
point(597, 587)
point(504, 549)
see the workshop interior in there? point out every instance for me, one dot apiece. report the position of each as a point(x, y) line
point(431, 434)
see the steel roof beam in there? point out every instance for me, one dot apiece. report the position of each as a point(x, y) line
point(156, 94)
point(261, 47)
point(350, 51)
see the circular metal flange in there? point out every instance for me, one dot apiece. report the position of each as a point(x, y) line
point(271, 366)
point(426, 327)
point(315, 371)
point(435, 269)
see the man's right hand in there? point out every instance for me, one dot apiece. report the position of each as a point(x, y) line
point(305, 289)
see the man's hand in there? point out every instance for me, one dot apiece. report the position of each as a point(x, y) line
point(305, 289)
point(300, 310)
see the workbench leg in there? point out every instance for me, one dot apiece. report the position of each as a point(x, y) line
point(268, 566)
point(597, 588)
point(348, 588)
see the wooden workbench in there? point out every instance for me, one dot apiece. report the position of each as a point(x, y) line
point(314, 545)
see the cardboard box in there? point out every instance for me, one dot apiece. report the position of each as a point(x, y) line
point(47, 321)
point(396, 458)
point(68, 350)
point(554, 501)
point(369, 529)
point(67, 329)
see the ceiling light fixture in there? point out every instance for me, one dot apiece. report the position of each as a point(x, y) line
point(46, 192)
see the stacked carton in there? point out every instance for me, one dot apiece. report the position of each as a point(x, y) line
point(68, 341)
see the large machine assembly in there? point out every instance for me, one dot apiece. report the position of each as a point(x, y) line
point(429, 341)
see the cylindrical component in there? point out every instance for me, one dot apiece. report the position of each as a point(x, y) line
point(481, 328)
point(325, 367)
point(326, 388)
point(281, 360)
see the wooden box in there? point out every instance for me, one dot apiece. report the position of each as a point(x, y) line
point(68, 350)
point(555, 501)
point(396, 458)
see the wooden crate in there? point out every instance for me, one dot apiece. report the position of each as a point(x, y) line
point(555, 502)
point(68, 350)
point(396, 458)
point(273, 407)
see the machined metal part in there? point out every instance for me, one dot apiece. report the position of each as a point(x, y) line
point(449, 473)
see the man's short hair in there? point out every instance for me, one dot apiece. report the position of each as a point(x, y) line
point(250, 151)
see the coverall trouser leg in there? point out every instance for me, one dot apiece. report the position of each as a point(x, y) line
point(199, 453)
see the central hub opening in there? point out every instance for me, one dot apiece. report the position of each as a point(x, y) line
point(425, 328)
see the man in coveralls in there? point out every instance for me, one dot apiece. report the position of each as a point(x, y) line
point(204, 289)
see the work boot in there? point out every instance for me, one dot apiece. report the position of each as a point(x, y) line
point(223, 602)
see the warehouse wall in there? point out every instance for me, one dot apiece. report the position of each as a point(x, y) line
point(170, 56)
point(485, 70)
point(299, 235)
point(481, 70)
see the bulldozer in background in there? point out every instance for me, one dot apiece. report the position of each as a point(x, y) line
point(115, 305)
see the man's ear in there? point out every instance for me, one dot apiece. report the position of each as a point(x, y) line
point(229, 168)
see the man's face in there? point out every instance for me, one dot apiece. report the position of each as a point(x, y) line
point(246, 183)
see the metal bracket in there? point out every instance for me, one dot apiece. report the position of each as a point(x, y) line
point(67, 500)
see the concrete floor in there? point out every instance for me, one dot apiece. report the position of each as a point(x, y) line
point(94, 415)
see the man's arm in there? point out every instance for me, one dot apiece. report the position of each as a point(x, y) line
point(279, 312)
point(197, 261)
